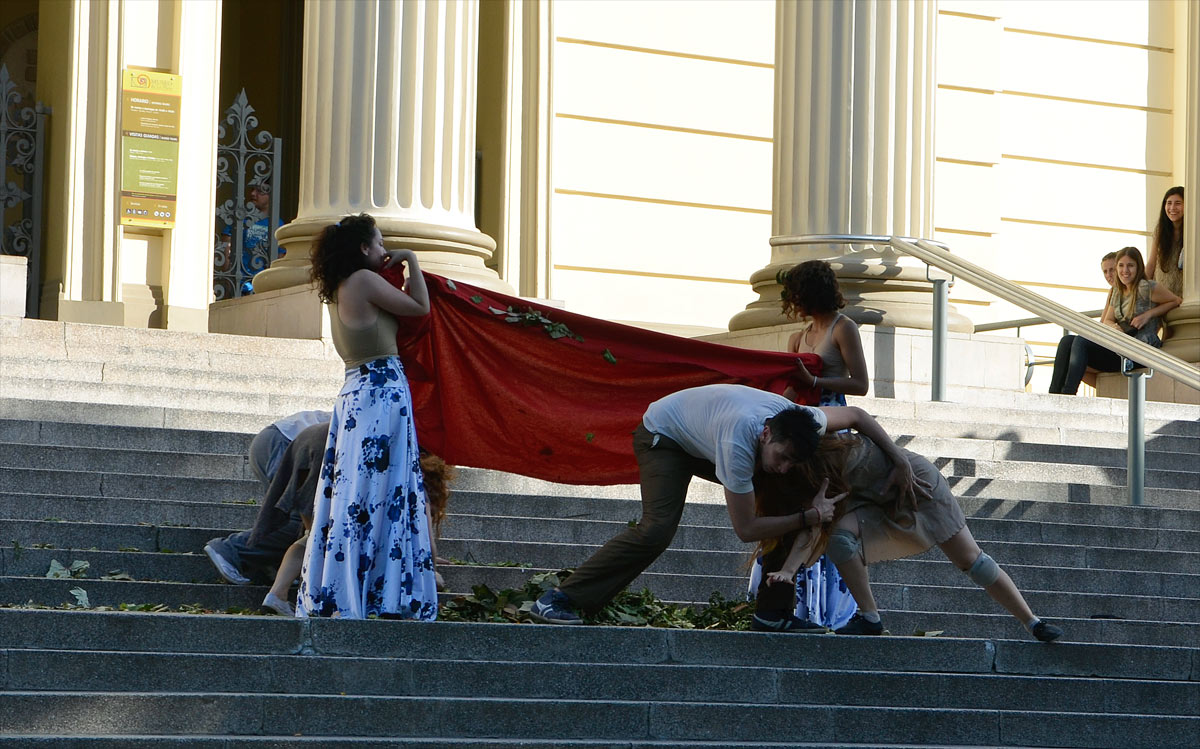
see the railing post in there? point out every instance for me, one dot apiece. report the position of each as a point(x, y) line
point(1137, 433)
point(937, 377)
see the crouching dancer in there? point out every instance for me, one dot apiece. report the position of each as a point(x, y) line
point(722, 433)
point(899, 505)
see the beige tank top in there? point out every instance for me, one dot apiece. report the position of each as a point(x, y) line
point(832, 364)
point(360, 345)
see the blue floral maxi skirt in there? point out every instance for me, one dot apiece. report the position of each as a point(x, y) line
point(821, 595)
point(369, 552)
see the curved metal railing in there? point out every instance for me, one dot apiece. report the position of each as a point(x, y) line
point(937, 255)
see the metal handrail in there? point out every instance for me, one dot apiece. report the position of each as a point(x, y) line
point(1110, 338)
point(1025, 322)
point(937, 255)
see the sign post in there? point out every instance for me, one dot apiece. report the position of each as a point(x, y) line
point(149, 147)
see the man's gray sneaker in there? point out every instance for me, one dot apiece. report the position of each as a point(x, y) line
point(554, 608)
point(224, 567)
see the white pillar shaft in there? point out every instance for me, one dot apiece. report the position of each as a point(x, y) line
point(91, 267)
point(389, 111)
point(524, 241)
point(853, 152)
point(189, 282)
point(853, 118)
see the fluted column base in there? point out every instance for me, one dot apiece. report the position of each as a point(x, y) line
point(448, 251)
point(878, 291)
point(1184, 322)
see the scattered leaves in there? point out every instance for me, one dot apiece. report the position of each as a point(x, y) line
point(116, 575)
point(928, 633)
point(81, 597)
point(17, 550)
point(77, 569)
point(639, 609)
point(477, 299)
point(451, 285)
point(128, 548)
point(608, 357)
point(589, 436)
point(531, 317)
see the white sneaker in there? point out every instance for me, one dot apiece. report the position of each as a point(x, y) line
point(224, 568)
point(278, 605)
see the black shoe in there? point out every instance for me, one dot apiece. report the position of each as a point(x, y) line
point(785, 623)
point(1046, 632)
point(858, 625)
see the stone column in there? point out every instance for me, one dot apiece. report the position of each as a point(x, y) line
point(389, 129)
point(80, 73)
point(1185, 319)
point(525, 213)
point(854, 93)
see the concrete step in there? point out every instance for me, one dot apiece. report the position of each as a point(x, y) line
point(113, 460)
point(74, 670)
point(253, 404)
point(34, 432)
point(1039, 409)
point(1046, 433)
point(476, 717)
point(223, 634)
point(236, 373)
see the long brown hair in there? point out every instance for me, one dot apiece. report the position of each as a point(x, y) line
point(1168, 241)
point(785, 494)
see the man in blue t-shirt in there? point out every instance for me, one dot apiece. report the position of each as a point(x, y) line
point(256, 235)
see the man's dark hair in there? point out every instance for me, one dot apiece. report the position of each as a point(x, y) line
point(798, 427)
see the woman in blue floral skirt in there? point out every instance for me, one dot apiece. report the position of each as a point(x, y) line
point(369, 552)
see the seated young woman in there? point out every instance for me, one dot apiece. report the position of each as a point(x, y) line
point(893, 504)
point(1135, 307)
point(811, 291)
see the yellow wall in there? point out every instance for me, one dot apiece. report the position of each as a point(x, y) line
point(1055, 141)
point(661, 154)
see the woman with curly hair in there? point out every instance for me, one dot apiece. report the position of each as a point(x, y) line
point(1164, 262)
point(811, 291)
point(370, 551)
point(891, 504)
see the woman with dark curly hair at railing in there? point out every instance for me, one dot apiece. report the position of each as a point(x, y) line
point(811, 290)
point(370, 551)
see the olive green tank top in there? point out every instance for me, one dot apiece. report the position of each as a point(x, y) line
point(360, 345)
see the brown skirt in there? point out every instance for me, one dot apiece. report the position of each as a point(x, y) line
point(890, 529)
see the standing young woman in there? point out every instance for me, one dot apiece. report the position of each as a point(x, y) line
point(1164, 262)
point(369, 552)
point(893, 504)
point(811, 290)
point(1134, 307)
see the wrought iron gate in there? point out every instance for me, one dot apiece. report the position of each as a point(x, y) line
point(23, 137)
point(246, 162)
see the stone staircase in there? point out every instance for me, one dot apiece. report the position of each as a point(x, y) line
point(125, 449)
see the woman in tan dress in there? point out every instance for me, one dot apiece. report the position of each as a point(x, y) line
point(896, 504)
point(1164, 262)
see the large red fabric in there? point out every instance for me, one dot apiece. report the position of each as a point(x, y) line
point(500, 383)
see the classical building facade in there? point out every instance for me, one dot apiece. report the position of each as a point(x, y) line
point(631, 160)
